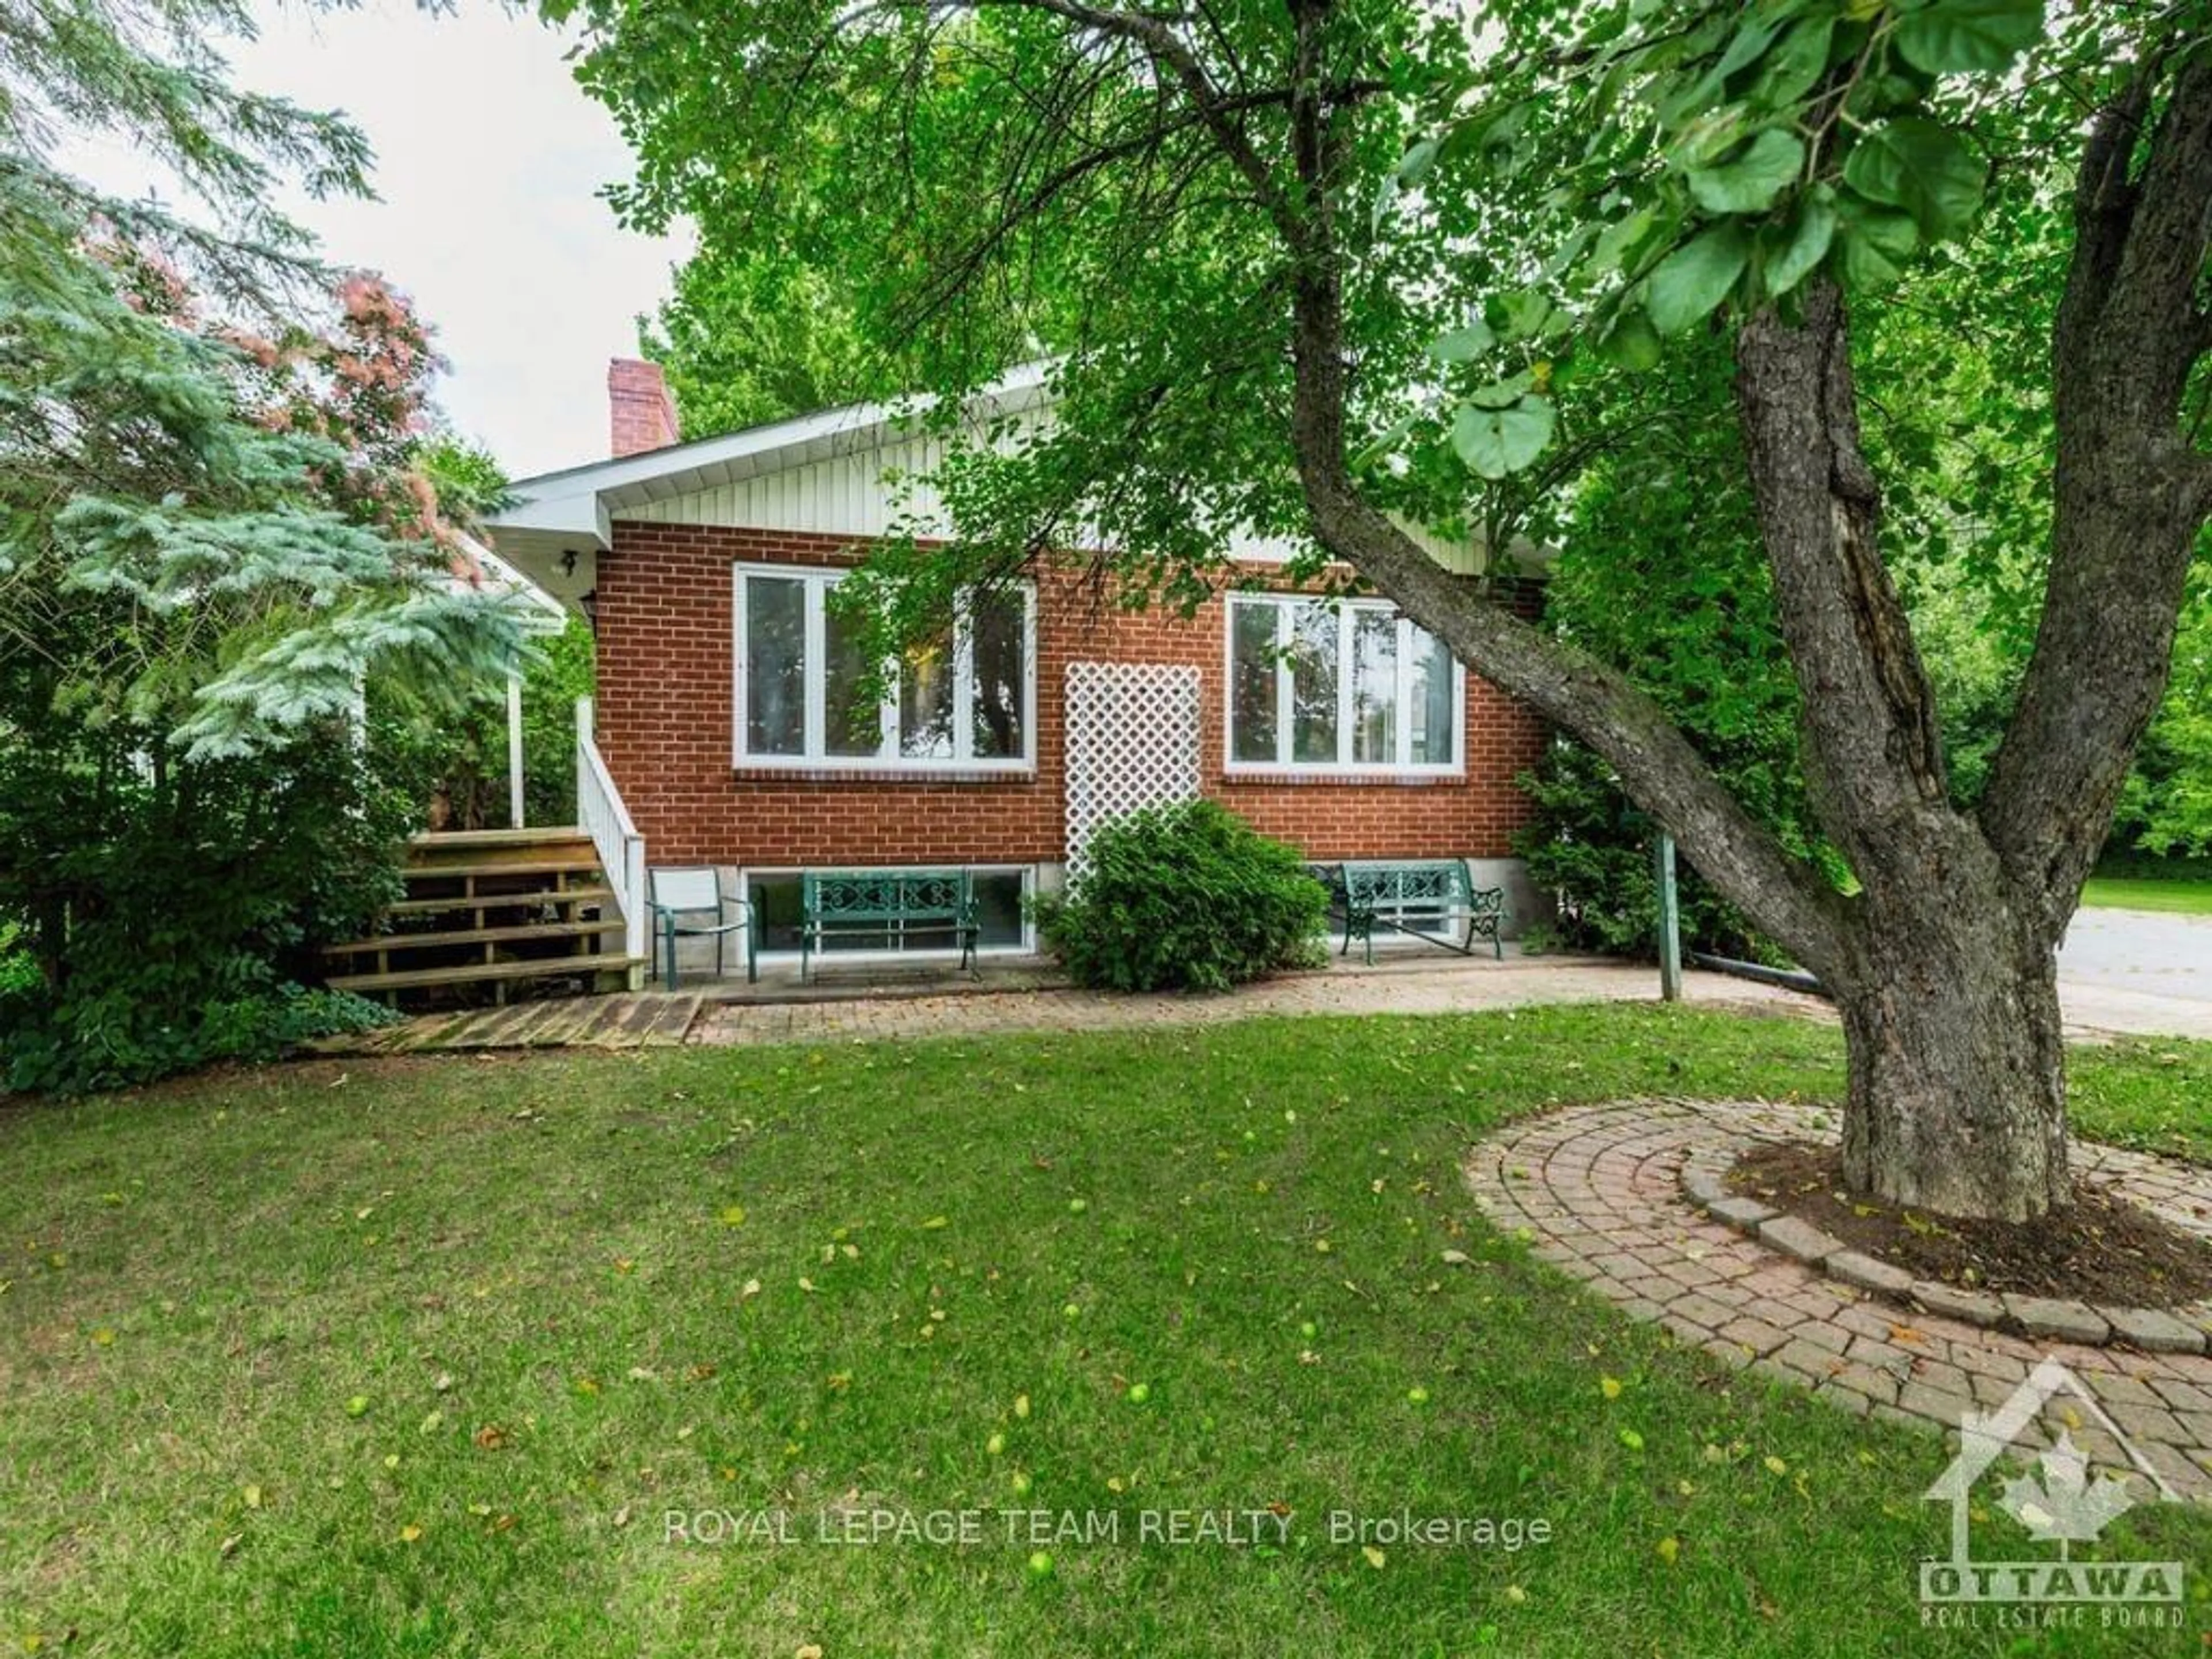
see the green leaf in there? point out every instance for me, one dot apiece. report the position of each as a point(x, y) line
point(1463, 346)
point(1697, 277)
point(1386, 196)
point(1876, 245)
point(1496, 442)
point(1969, 36)
point(1810, 231)
point(1750, 38)
point(1503, 393)
point(1794, 67)
point(1412, 169)
point(1485, 133)
point(1711, 135)
point(1923, 166)
point(1750, 180)
point(1382, 444)
point(1527, 313)
point(1418, 161)
point(1616, 242)
point(1632, 341)
point(1564, 257)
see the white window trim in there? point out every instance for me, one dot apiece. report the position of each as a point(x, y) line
point(1027, 872)
point(818, 581)
point(1285, 606)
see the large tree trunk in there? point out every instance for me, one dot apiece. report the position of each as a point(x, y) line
point(1958, 1087)
point(1947, 979)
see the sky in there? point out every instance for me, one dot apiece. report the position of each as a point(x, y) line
point(489, 163)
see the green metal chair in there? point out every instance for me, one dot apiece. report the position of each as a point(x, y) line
point(681, 895)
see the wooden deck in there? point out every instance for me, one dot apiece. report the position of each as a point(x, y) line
point(636, 1019)
point(486, 911)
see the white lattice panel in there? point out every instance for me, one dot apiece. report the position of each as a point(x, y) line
point(1132, 742)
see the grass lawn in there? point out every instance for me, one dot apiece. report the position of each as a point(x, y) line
point(2139, 893)
point(413, 1357)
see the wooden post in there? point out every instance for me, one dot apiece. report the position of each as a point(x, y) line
point(514, 750)
point(1670, 923)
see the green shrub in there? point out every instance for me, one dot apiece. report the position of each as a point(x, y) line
point(117, 1036)
point(2139, 866)
point(1185, 897)
point(1590, 846)
point(165, 917)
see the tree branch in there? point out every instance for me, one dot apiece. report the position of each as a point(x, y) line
point(1875, 751)
point(1155, 34)
point(2130, 492)
point(1657, 762)
point(959, 270)
point(1657, 765)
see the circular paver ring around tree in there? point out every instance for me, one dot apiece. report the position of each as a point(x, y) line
point(1596, 1192)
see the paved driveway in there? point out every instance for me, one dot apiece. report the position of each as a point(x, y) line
point(2138, 970)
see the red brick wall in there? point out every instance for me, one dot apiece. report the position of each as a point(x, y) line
point(665, 641)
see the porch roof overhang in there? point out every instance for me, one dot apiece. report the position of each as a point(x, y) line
point(540, 612)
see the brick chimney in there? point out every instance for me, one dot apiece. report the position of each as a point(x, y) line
point(641, 412)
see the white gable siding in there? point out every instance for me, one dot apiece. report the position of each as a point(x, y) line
point(847, 495)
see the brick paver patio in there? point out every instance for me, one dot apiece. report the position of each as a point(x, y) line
point(1596, 1191)
point(1427, 983)
point(1409, 986)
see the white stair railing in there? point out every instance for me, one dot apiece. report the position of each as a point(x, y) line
point(599, 808)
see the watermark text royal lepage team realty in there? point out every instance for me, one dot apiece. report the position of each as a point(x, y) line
point(846, 1525)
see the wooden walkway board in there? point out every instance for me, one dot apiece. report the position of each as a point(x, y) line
point(636, 1019)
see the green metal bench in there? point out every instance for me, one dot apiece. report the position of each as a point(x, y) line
point(891, 906)
point(1386, 892)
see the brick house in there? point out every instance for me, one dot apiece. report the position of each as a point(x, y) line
point(724, 722)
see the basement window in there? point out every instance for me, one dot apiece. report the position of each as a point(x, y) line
point(1000, 919)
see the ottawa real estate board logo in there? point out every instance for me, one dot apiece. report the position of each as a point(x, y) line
point(2066, 1498)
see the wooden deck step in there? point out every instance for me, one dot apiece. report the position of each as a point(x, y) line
point(536, 896)
point(436, 841)
point(401, 979)
point(395, 942)
point(518, 861)
point(497, 907)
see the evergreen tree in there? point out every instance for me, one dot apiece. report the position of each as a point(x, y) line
point(214, 528)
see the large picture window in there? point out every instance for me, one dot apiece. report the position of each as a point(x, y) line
point(1351, 686)
point(963, 699)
